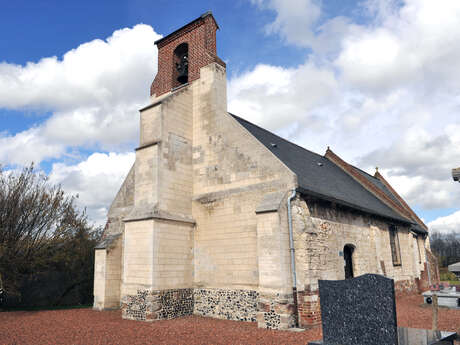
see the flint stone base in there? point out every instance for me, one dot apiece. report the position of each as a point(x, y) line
point(276, 312)
point(157, 305)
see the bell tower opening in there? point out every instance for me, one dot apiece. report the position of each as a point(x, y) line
point(180, 74)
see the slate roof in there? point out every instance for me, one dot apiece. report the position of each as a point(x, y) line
point(376, 182)
point(322, 178)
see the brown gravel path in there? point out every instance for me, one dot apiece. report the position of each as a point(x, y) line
point(85, 326)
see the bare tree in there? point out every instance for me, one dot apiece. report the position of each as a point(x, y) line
point(33, 214)
point(446, 247)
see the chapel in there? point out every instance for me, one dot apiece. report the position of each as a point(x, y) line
point(221, 218)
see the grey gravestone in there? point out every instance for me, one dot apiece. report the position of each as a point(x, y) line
point(362, 311)
point(359, 311)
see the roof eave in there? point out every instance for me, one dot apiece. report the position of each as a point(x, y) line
point(303, 190)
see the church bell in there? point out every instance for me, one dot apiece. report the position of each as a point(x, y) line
point(182, 68)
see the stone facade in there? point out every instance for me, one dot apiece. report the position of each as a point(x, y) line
point(201, 221)
point(321, 231)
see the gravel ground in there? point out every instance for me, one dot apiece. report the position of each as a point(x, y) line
point(85, 326)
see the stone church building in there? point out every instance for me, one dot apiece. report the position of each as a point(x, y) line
point(221, 218)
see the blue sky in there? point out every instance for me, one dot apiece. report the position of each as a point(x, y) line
point(377, 80)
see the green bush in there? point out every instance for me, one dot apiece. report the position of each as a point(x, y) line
point(448, 276)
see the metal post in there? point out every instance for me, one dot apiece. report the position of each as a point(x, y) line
point(435, 312)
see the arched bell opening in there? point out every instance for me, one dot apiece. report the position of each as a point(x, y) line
point(180, 74)
point(348, 250)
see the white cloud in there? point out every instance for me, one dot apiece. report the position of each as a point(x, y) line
point(294, 19)
point(26, 147)
point(383, 94)
point(94, 93)
point(96, 180)
point(96, 73)
point(285, 99)
point(447, 224)
point(417, 46)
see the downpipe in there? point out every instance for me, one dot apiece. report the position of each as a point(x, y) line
point(292, 250)
point(428, 265)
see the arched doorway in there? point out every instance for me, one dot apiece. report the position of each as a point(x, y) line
point(348, 258)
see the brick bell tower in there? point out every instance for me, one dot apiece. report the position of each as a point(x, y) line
point(152, 275)
point(184, 52)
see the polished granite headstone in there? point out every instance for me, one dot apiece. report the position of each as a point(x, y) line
point(358, 311)
point(362, 311)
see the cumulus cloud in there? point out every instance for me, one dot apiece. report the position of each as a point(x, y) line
point(295, 19)
point(96, 180)
point(276, 96)
point(384, 93)
point(93, 92)
point(447, 224)
point(416, 47)
point(387, 96)
point(111, 71)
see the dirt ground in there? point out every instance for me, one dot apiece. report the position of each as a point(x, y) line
point(85, 326)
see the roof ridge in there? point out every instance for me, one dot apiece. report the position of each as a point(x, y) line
point(364, 172)
point(404, 204)
point(276, 135)
point(368, 185)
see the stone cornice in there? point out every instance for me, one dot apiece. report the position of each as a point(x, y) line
point(158, 215)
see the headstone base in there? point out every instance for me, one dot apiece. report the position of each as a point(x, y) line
point(413, 336)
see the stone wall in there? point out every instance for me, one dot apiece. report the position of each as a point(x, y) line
point(121, 206)
point(276, 311)
point(322, 229)
point(238, 305)
point(153, 305)
point(232, 172)
point(148, 305)
point(309, 309)
point(107, 274)
point(158, 237)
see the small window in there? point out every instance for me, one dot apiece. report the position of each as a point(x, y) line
point(394, 243)
point(418, 250)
